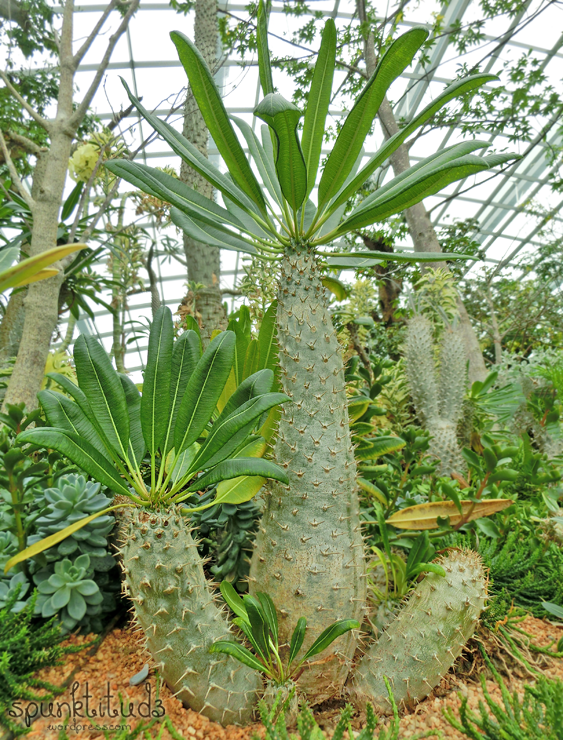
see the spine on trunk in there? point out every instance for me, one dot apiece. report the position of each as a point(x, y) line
point(180, 619)
point(422, 643)
point(309, 549)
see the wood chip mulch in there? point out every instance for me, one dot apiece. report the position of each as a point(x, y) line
point(101, 677)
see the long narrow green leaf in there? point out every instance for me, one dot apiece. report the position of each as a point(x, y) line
point(185, 356)
point(358, 122)
point(216, 118)
point(81, 452)
point(137, 446)
point(74, 392)
point(203, 391)
point(269, 611)
point(258, 624)
point(425, 166)
point(297, 639)
point(102, 387)
point(250, 225)
point(65, 414)
point(242, 654)
point(233, 599)
point(416, 191)
point(255, 385)
point(454, 90)
point(358, 260)
point(170, 189)
point(57, 537)
point(231, 431)
point(267, 338)
point(239, 466)
point(251, 358)
point(264, 67)
point(328, 636)
point(191, 154)
point(266, 166)
point(209, 235)
point(155, 403)
point(282, 117)
point(318, 102)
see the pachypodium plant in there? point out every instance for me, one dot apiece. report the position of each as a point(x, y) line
point(257, 618)
point(157, 450)
point(309, 548)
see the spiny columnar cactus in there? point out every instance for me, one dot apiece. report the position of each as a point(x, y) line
point(309, 550)
point(422, 643)
point(177, 613)
point(438, 401)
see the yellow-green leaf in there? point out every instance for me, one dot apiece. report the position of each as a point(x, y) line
point(21, 273)
point(54, 539)
point(357, 408)
point(368, 487)
point(336, 287)
point(425, 516)
point(43, 274)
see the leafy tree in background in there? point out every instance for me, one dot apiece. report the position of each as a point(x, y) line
point(49, 178)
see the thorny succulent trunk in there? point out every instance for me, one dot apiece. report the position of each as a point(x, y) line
point(204, 262)
point(309, 550)
point(422, 643)
point(180, 619)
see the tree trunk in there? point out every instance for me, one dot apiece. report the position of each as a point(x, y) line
point(309, 550)
point(11, 327)
point(42, 300)
point(204, 262)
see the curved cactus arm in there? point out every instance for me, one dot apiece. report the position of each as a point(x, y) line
point(180, 619)
point(422, 643)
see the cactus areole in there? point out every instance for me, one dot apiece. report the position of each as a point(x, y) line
point(308, 553)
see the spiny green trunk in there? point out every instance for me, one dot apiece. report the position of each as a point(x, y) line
point(309, 551)
point(180, 619)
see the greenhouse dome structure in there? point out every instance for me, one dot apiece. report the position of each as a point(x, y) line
point(281, 369)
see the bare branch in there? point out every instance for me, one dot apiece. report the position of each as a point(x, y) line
point(27, 144)
point(36, 117)
point(14, 173)
point(80, 54)
point(80, 112)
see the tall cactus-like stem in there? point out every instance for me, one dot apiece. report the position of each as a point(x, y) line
point(438, 401)
point(309, 549)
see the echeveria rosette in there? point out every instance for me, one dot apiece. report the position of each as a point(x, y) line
point(68, 592)
point(8, 586)
point(72, 499)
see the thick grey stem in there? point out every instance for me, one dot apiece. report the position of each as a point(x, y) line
point(309, 550)
point(204, 262)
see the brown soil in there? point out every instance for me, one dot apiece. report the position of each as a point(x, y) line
point(120, 656)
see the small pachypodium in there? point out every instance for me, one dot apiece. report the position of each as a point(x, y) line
point(438, 399)
point(180, 619)
point(429, 633)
